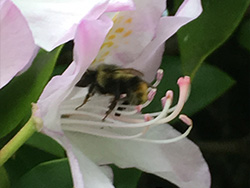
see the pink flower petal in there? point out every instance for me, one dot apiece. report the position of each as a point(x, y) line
point(153, 64)
point(17, 47)
point(54, 22)
point(131, 33)
point(188, 11)
point(89, 37)
point(120, 5)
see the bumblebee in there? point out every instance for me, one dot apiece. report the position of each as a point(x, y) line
point(116, 81)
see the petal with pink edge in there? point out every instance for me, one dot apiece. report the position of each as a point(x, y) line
point(74, 163)
point(93, 175)
point(89, 37)
point(85, 173)
point(17, 46)
point(169, 25)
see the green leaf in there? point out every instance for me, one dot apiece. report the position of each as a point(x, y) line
point(201, 37)
point(46, 144)
point(24, 160)
point(208, 85)
point(59, 69)
point(244, 34)
point(4, 179)
point(124, 178)
point(50, 174)
point(17, 96)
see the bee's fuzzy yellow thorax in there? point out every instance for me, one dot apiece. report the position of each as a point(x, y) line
point(143, 87)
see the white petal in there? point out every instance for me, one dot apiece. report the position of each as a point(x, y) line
point(92, 174)
point(74, 164)
point(85, 173)
point(181, 162)
point(108, 172)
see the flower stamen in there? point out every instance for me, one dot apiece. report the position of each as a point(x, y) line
point(126, 121)
point(182, 117)
point(159, 76)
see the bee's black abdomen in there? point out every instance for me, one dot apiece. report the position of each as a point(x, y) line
point(133, 83)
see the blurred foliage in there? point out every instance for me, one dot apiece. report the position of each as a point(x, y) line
point(124, 178)
point(46, 144)
point(4, 179)
point(24, 160)
point(55, 173)
point(201, 37)
point(244, 34)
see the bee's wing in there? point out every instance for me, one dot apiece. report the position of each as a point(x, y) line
point(87, 78)
point(130, 71)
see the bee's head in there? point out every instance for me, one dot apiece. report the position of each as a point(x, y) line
point(140, 95)
point(88, 77)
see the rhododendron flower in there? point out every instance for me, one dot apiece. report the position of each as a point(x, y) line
point(17, 47)
point(127, 137)
point(54, 22)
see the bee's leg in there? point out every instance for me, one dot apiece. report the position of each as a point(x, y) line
point(111, 106)
point(121, 108)
point(91, 92)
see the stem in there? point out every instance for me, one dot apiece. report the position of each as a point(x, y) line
point(18, 140)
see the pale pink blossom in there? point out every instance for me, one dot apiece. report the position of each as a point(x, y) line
point(127, 137)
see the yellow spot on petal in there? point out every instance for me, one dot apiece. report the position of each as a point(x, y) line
point(127, 33)
point(111, 37)
point(119, 30)
point(101, 60)
point(117, 19)
point(105, 54)
point(128, 20)
point(107, 44)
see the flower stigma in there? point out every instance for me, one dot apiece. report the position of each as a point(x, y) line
point(125, 121)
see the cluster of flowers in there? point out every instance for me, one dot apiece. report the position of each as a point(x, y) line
point(122, 32)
